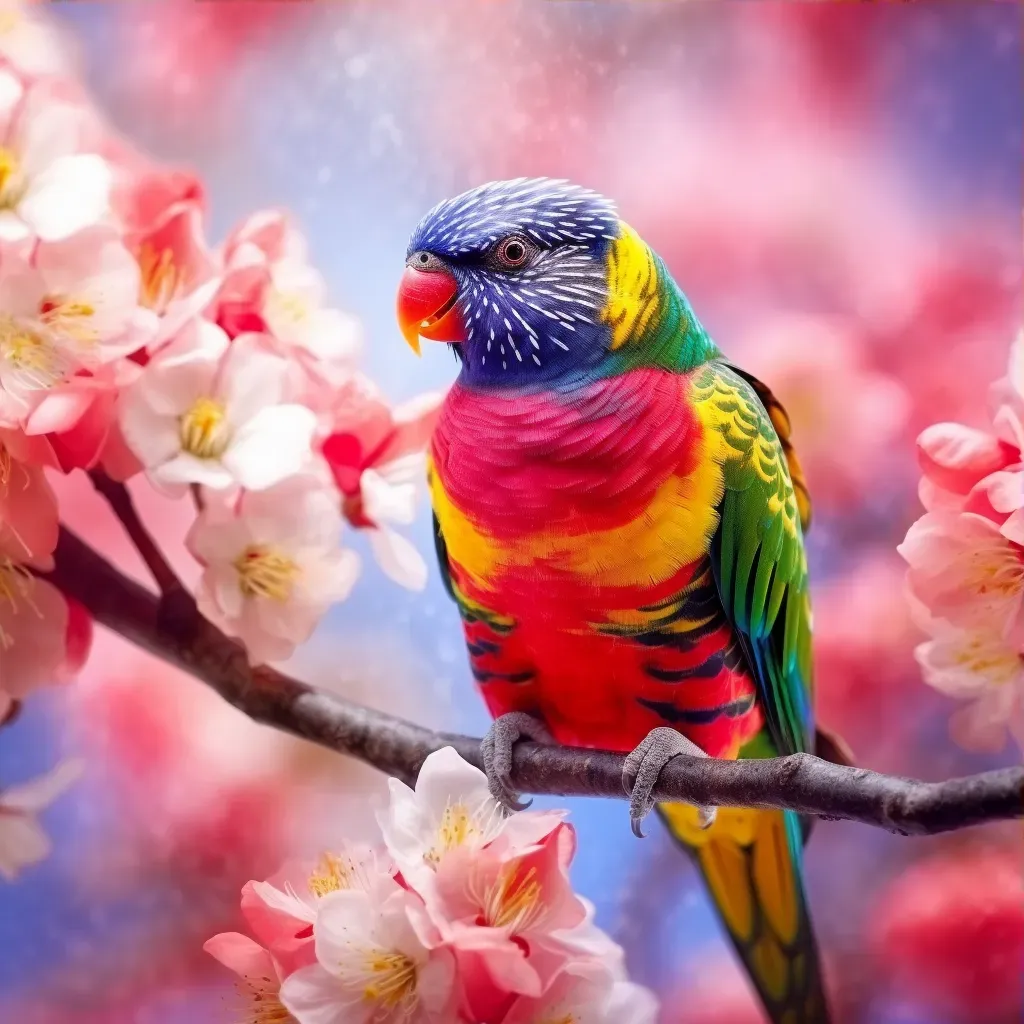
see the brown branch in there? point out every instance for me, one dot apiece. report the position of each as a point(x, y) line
point(120, 501)
point(799, 782)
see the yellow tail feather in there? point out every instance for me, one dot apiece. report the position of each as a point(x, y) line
point(754, 880)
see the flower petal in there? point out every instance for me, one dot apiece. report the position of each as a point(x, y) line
point(314, 996)
point(246, 958)
point(399, 558)
point(71, 194)
point(270, 446)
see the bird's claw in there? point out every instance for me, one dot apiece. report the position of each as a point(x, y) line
point(644, 765)
point(496, 751)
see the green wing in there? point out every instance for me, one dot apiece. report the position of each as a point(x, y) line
point(757, 553)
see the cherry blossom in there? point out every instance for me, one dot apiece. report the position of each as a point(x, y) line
point(272, 564)
point(954, 459)
point(22, 839)
point(502, 910)
point(43, 638)
point(270, 286)
point(473, 923)
point(584, 996)
point(376, 455)
point(378, 959)
point(178, 278)
point(283, 917)
point(966, 558)
point(966, 571)
point(261, 976)
point(983, 666)
point(205, 413)
point(72, 309)
point(28, 506)
point(49, 188)
point(451, 809)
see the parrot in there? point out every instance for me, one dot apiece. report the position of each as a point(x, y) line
point(619, 517)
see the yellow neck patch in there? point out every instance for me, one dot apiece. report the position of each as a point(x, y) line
point(633, 286)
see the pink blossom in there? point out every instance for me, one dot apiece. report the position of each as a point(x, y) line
point(28, 506)
point(983, 667)
point(378, 959)
point(451, 809)
point(501, 909)
point(49, 187)
point(43, 637)
point(966, 571)
point(954, 459)
point(163, 216)
point(259, 971)
point(967, 566)
point(204, 413)
point(376, 455)
point(71, 310)
point(76, 421)
point(260, 240)
point(270, 287)
point(583, 996)
point(474, 921)
point(282, 917)
point(22, 839)
point(273, 564)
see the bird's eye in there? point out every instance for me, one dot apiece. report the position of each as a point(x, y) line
point(512, 252)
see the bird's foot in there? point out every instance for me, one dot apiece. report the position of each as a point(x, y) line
point(496, 750)
point(644, 765)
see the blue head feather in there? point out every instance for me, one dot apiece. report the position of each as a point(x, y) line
point(538, 323)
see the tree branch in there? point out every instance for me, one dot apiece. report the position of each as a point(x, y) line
point(799, 782)
point(120, 501)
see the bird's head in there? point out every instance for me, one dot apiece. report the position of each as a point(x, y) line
point(536, 280)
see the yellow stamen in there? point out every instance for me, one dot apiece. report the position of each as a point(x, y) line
point(290, 306)
point(265, 572)
point(332, 873)
point(203, 430)
point(458, 827)
point(989, 657)
point(514, 901)
point(69, 317)
point(35, 360)
point(12, 179)
point(392, 978)
point(160, 279)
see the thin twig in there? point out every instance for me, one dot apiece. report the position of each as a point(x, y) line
point(799, 782)
point(120, 501)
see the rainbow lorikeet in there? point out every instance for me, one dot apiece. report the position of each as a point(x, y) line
point(619, 516)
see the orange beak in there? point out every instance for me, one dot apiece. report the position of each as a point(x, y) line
point(426, 307)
